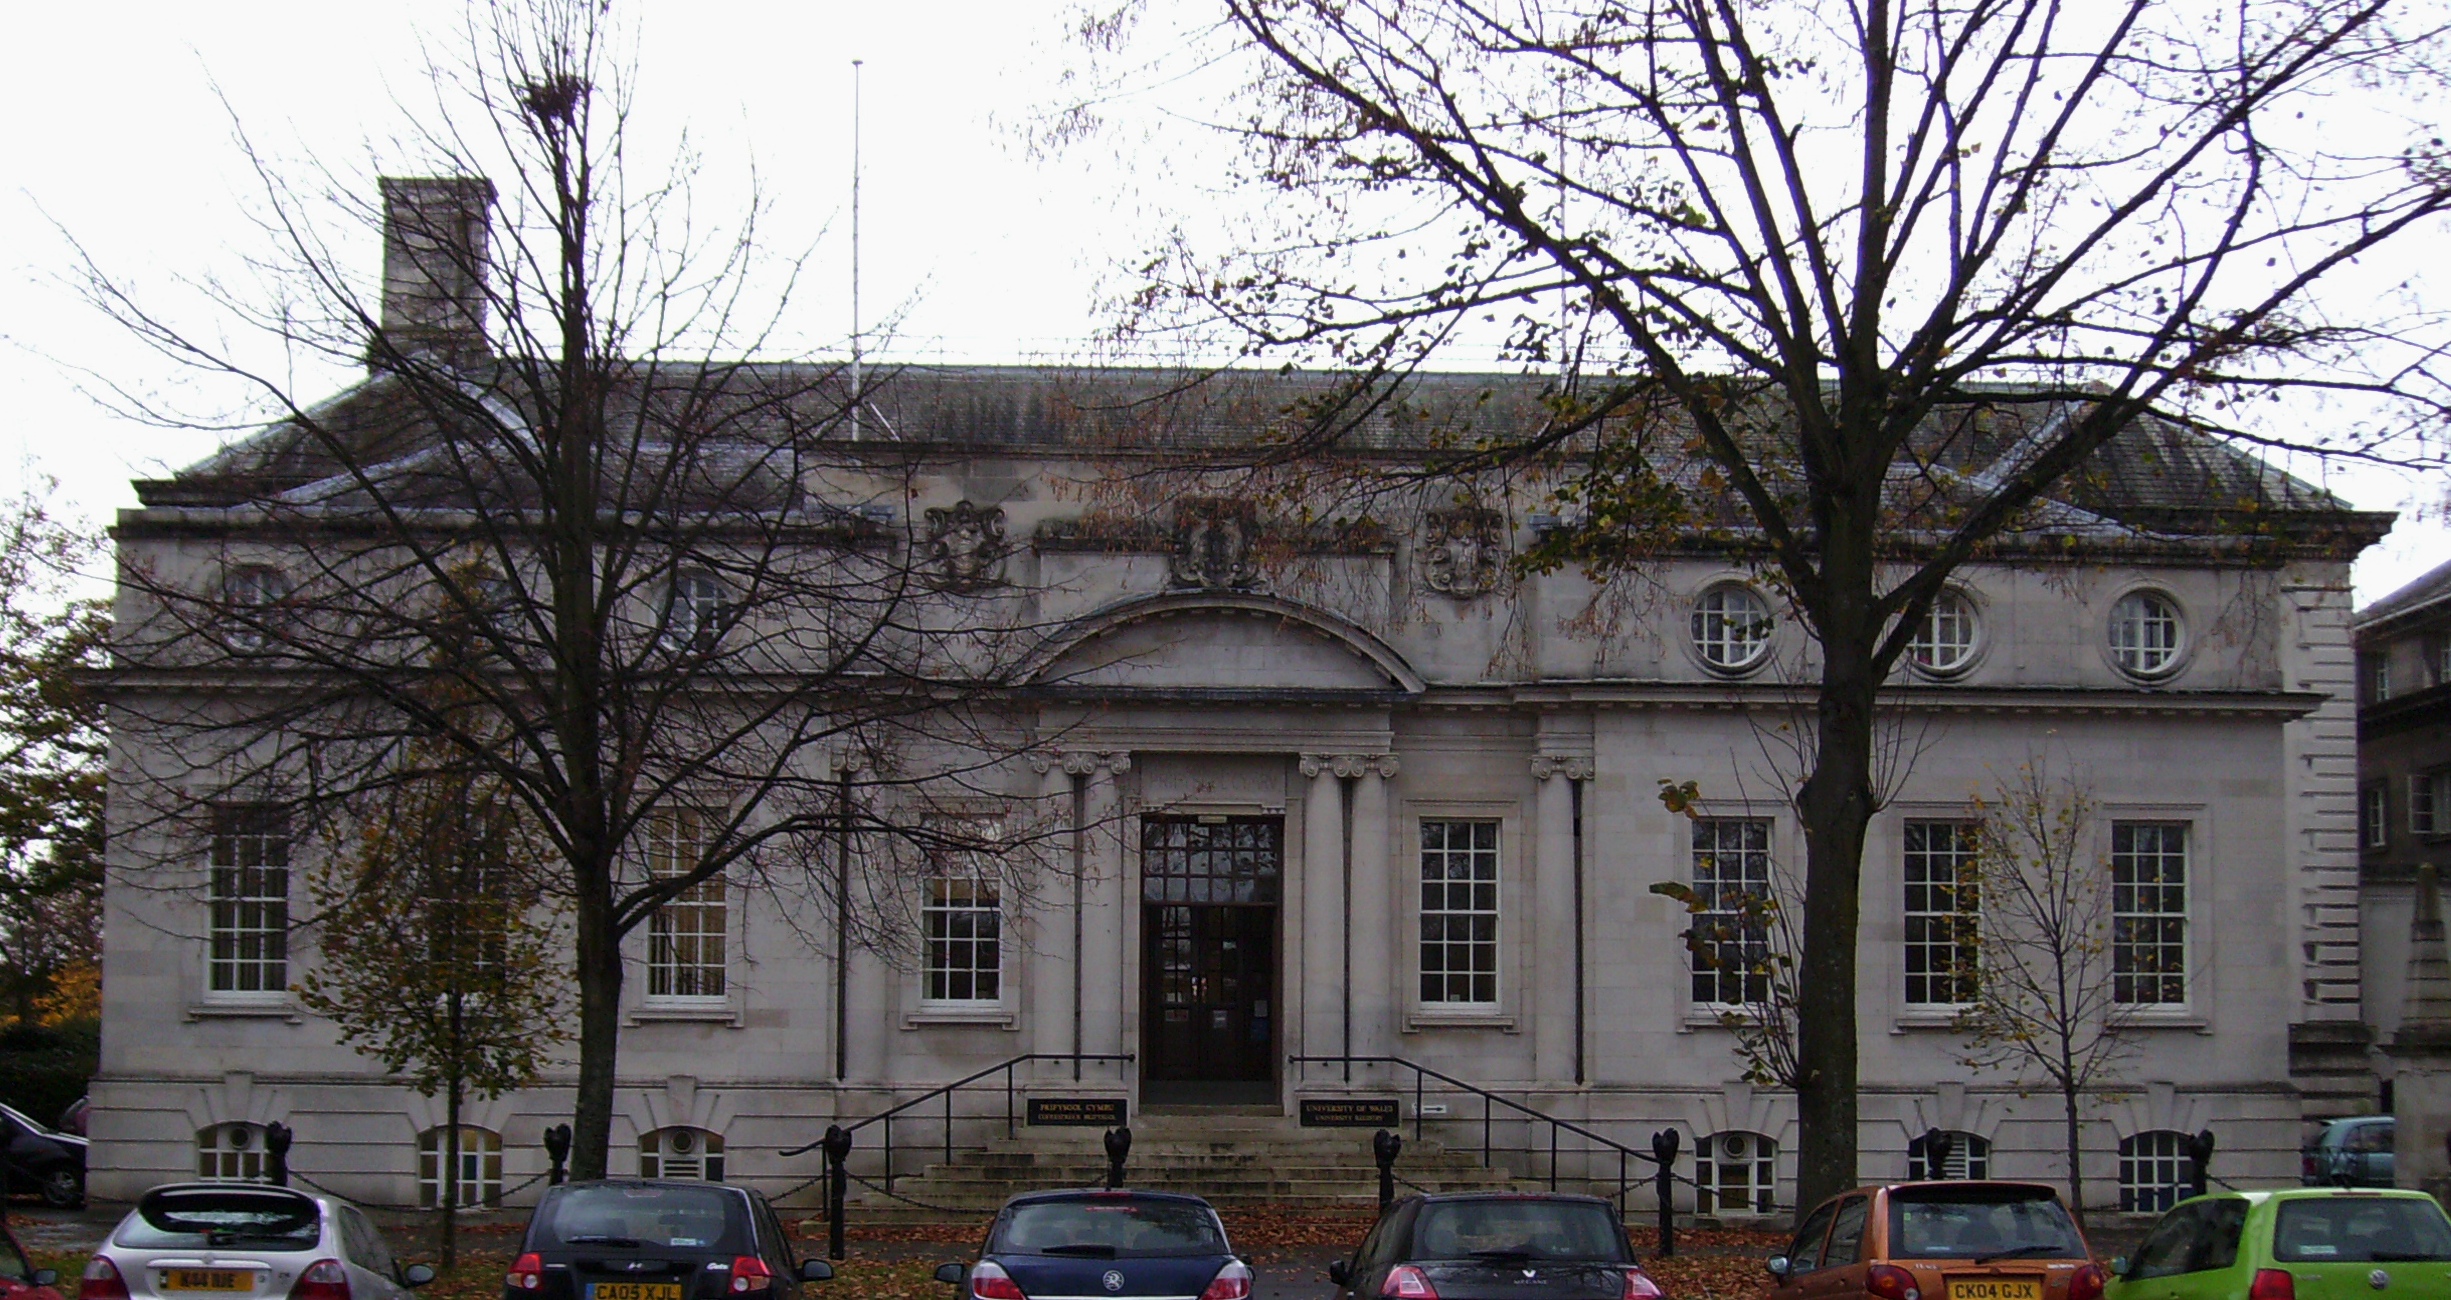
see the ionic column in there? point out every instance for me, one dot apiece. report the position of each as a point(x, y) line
point(1553, 920)
point(1323, 910)
point(1053, 958)
point(1375, 999)
point(1103, 904)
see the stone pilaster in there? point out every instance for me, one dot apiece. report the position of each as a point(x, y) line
point(1551, 1006)
point(1323, 909)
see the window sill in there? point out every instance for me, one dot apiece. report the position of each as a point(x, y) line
point(1426, 1019)
point(1712, 1015)
point(1941, 1020)
point(712, 1013)
point(283, 1011)
point(992, 1017)
point(2175, 1018)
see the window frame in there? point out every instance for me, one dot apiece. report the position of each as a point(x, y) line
point(1472, 945)
point(1769, 854)
point(705, 598)
point(2183, 915)
point(1970, 613)
point(1968, 918)
point(261, 589)
point(930, 908)
point(238, 916)
point(1761, 1162)
point(710, 1156)
point(1706, 619)
point(2374, 815)
point(248, 1155)
point(2120, 648)
point(2133, 1192)
point(664, 940)
point(1969, 1153)
point(488, 1182)
point(2429, 802)
point(2375, 674)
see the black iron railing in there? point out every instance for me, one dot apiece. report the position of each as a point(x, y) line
point(1661, 1158)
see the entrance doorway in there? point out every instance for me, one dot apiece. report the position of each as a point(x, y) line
point(1209, 1008)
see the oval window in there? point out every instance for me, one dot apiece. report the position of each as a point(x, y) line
point(2146, 634)
point(1945, 643)
point(1731, 628)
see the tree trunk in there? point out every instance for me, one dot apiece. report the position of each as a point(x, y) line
point(1835, 804)
point(599, 978)
point(2076, 1156)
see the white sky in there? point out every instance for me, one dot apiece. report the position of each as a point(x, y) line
point(116, 135)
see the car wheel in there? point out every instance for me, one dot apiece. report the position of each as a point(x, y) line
point(64, 1189)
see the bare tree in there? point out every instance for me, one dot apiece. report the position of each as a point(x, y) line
point(549, 546)
point(1849, 289)
point(2047, 976)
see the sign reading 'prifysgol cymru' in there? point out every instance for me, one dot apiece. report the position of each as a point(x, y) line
point(1076, 1112)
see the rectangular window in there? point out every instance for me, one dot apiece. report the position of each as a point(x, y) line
point(685, 937)
point(964, 927)
point(1731, 934)
point(2149, 913)
point(1941, 924)
point(249, 901)
point(2425, 803)
point(1459, 913)
point(2374, 815)
point(2378, 677)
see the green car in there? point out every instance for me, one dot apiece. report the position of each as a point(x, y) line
point(2306, 1243)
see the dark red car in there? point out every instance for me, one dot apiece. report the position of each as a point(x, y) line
point(19, 1279)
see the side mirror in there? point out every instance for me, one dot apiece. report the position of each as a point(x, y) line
point(416, 1275)
point(816, 1270)
point(1779, 1267)
point(1340, 1272)
point(950, 1274)
point(46, 1276)
point(2119, 1266)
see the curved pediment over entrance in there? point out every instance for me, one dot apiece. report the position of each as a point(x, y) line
point(1212, 641)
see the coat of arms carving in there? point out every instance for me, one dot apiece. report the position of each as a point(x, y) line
point(1212, 545)
point(1463, 551)
point(965, 547)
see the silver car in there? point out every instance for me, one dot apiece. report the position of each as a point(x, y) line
point(244, 1241)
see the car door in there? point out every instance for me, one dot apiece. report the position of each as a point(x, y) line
point(370, 1262)
point(1804, 1253)
point(1841, 1270)
point(776, 1249)
point(2161, 1259)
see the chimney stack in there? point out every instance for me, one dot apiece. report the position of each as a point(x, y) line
point(434, 251)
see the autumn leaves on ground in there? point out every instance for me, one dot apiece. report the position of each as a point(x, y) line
point(899, 1263)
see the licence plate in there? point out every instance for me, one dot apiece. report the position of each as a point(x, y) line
point(207, 1279)
point(1995, 1288)
point(634, 1291)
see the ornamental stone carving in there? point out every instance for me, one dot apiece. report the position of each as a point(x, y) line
point(1082, 762)
point(1351, 766)
point(965, 547)
point(1212, 545)
point(1545, 766)
point(1463, 550)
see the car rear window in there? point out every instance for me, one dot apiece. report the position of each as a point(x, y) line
point(2360, 1230)
point(635, 1217)
point(1516, 1230)
point(197, 1217)
point(1980, 1222)
point(1104, 1226)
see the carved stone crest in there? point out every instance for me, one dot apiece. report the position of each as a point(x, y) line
point(966, 547)
point(1463, 550)
point(1212, 545)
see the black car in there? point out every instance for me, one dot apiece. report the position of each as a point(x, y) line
point(1116, 1243)
point(1495, 1247)
point(642, 1239)
point(37, 1159)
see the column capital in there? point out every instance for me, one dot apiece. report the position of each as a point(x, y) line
point(1350, 765)
point(1081, 762)
point(1570, 766)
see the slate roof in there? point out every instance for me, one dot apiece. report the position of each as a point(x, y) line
point(2155, 478)
point(2428, 592)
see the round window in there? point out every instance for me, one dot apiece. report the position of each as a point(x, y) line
point(1945, 642)
point(2146, 634)
point(1731, 628)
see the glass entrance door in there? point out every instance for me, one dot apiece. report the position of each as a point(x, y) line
point(1209, 894)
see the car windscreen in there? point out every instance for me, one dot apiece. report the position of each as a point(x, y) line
point(1980, 1223)
point(1107, 1226)
point(2360, 1230)
point(632, 1216)
point(191, 1218)
point(1512, 1230)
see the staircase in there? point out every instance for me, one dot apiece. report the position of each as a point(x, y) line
point(1237, 1157)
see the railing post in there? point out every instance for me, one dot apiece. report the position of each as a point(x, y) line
point(1118, 1150)
point(889, 1152)
point(1385, 1147)
point(1417, 1120)
point(277, 1138)
point(1553, 1155)
point(557, 1150)
point(948, 1126)
point(1485, 1161)
point(1664, 1150)
point(837, 1147)
point(1009, 1131)
point(2199, 1161)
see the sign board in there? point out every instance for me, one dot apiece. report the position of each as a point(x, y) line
point(1348, 1112)
point(1077, 1112)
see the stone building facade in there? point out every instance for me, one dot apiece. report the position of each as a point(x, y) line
point(1364, 792)
point(2404, 784)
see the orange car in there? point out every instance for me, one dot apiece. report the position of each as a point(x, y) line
point(1939, 1241)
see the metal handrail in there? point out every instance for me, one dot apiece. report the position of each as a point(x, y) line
point(1663, 1167)
point(946, 1091)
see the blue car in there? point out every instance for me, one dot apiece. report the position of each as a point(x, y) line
point(1092, 1245)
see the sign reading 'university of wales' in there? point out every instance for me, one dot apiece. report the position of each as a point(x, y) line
point(1347, 1112)
point(1077, 1112)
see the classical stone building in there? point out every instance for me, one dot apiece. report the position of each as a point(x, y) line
point(2404, 782)
point(1358, 790)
